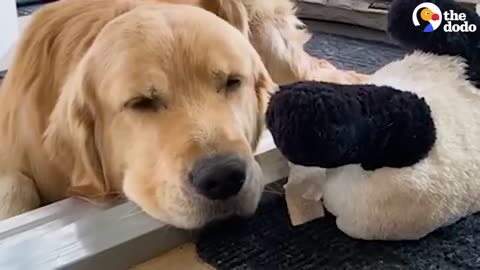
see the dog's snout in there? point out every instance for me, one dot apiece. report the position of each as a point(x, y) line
point(218, 177)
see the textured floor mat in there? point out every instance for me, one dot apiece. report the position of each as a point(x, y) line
point(268, 242)
point(347, 53)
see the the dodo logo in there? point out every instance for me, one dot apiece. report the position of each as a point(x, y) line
point(427, 17)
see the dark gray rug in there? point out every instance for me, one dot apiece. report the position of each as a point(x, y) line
point(347, 53)
point(267, 241)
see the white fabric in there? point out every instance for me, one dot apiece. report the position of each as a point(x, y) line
point(409, 203)
point(303, 194)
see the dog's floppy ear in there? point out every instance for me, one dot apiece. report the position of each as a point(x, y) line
point(232, 11)
point(70, 138)
point(264, 88)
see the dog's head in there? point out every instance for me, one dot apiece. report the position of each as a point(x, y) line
point(167, 107)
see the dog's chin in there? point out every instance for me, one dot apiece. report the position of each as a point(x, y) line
point(236, 222)
point(238, 208)
point(207, 212)
point(215, 215)
point(184, 208)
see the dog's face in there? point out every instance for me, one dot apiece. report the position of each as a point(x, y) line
point(167, 107)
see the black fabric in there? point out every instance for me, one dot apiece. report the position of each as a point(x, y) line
point(28, 7)
point(329, 125)
point(465, 44)
point(474, 70)
point(269, 242)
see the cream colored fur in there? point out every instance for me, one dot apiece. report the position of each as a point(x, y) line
point(69, 127)
point(78, 60)
point(279, 37)
point(409, 203)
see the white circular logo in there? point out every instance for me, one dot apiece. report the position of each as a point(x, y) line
point(427, 17)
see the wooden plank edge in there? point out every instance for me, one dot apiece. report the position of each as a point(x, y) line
point(119, 237)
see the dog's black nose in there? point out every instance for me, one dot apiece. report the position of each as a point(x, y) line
point(218, 177)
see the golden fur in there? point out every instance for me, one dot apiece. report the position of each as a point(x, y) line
point(279, 37)
point(71, 111)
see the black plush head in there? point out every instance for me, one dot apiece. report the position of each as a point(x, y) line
point(329, 125)
point(464, 44)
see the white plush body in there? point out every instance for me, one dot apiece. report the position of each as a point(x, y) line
point(411, 202)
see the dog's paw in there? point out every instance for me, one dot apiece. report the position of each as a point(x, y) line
point(334, 75)
point(324, 64)
point(17, 195)
point(357, 78)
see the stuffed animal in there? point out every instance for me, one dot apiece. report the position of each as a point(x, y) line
point(402, 152)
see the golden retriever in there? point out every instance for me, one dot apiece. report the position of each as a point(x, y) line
point(160, 102)
point(279, 37)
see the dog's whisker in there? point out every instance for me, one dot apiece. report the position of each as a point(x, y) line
point(274, 188)
point(133, 212)
point(135, 209)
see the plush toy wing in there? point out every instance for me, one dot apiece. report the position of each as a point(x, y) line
point(330, 125)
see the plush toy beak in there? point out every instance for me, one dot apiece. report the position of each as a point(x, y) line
point(328, 125)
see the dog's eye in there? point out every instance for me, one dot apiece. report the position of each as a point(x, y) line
point(144, 104)
point(232, 83)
